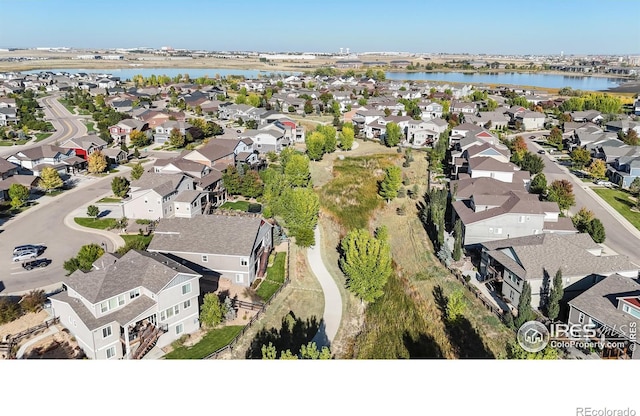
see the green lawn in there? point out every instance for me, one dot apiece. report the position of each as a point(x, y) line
point(12, 142)
point(90, 126)
point(136, 240)
point(109, 200)
point(42, 136)
point(620, 201)
point(266, 289)
point(238, 205)
point(275, 272)
point(352, 195)
point(55, 192)
point(68, 106)
point(97, 223)
point(212, 342)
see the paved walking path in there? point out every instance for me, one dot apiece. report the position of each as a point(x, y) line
point(332, 299)
point(51, 331)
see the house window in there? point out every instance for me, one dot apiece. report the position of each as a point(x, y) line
point(120, 300)
point(244, 262)
point(205, 258)
point(511, 295)
point(113, 303)
point(581, 318)
point(186, 304)
point(498, 231)
point(186, 288)
point(111, 352)
point(134, 293)
point(104, 306)
point(521, 219)
point(238, 277)
point(179, 329)
point(176, 309)
point(106, 332)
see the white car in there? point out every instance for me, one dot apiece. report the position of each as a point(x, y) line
point(25, 254)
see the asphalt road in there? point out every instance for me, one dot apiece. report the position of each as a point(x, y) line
point(619, 238)
point(43, 224)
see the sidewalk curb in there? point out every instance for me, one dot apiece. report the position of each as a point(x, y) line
point(116, 240)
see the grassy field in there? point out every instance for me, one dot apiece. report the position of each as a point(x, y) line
point(133, 238)
point(90, 126)
point(621, 202)
point(97, 223)
point(352, 195)
point(210, 343)
point(13, 142)
point(109, 200)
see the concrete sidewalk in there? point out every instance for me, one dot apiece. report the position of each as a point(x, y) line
point(332, 299)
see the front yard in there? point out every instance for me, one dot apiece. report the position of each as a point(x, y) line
point(97, 223)
point(210, 343)
point(621, 201)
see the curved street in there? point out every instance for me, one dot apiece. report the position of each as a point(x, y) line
point(44, 223)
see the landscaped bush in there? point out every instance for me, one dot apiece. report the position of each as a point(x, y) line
point(402, 193)
point(143, 222)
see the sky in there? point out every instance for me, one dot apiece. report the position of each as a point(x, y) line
point(574, 27)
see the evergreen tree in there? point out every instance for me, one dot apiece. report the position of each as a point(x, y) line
point(557, 293)
point(457, 246)
point(524, 305)
point(391, 183)
point(596, 230)
point(538, 184)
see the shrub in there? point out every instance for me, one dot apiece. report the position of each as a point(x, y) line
point(401, 211)
point(402, 193)
point(255, 208)
point(9, 311)
point(143, 222)
point(33, 301)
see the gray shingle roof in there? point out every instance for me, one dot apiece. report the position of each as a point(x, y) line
point(601, 301)
point(207, 234)
point(551, 252)
point(136, 268)
point(163, 184)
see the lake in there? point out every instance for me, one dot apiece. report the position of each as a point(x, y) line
point(512, 78)
point(502, 78)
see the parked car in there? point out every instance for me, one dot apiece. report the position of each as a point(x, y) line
point(25, 254)
point(30, 265)
point(18, 249)
point(541, 151)
point(604, 183)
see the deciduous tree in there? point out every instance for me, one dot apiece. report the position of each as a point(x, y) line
point(19, 194)
point(176, 139)
point(393, 134)
point(366, 261)
point(296, 171)
point(120, 186)
point(50, 179)
point(93, 211)
point(561, 191)
point(315, 145)
point(97, 162)
point(139, 138)
point(597, 169)
point(580, 157)
point(347, 136)
point(212, 311)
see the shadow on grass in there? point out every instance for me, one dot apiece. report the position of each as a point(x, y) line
point(462, 335)
point(422, 346)
point(293, 333)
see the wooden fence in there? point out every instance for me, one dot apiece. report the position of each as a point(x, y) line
point(13, 339)
point(261, 311)
point(483, 299)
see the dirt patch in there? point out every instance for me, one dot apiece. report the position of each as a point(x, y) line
point(60, 345)
point(23, 323)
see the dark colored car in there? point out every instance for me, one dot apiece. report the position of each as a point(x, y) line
point(37, 263)
point(541, 152)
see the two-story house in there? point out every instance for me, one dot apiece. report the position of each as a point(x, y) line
point(162, 132)
point(531, 120)
point(33, 160)
point(235, 247)
point(85, 145)
point(121, 132)
point(624, 170)
point(537, 258)
point(612, 308)
point(125, 306)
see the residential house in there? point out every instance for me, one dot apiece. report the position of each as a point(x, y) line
point(7, 169)
point(33, 160)
point(623, 126)
point(537, 258)
point(126, 305)
point(115, 156)
point(489, 119)
point(611, 307)
point(589, 116)
point(152, 197)
point(85, 145)
point(462, 107)
point(121, 132)
point(235, 247)
point(531, 120)
point(162, 132)
point(430, 110)
point(8, 116)
point(365, 116)
point(624, 170)
point(217, 154)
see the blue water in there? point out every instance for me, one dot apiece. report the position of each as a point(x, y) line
point(128, 73)
point(503, 78)
point(512, 78)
